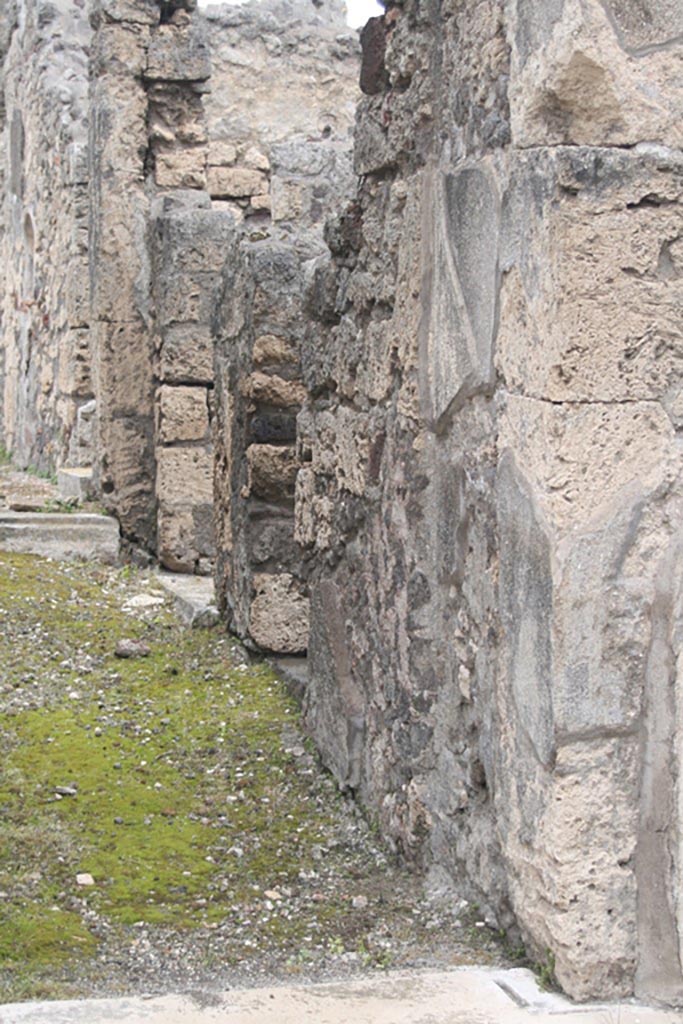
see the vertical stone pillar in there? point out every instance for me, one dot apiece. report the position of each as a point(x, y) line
point(190, 245)
point(261, 577)
point(123, 350)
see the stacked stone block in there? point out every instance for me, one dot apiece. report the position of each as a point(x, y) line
point(190, 245)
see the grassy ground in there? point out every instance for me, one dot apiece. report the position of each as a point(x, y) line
point(181, 784)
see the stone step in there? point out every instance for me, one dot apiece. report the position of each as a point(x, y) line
point(194, 598)
point(75, 482)
point(61, 536)
point(462, 996)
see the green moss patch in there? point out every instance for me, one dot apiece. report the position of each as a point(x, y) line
point(181, 784)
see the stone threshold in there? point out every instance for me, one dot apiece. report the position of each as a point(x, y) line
point(461, 996)
point(62, 536)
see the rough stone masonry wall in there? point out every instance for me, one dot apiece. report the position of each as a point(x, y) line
point(157, 248)
point(280, 163)
point(168, 178)
point(44, 317)
point(493, 485)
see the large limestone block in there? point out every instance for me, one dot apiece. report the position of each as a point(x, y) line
point(184, 477)
point(589, 502)
point(589, 72)
point(123, 371)
point(278, 617)
point(593, 283)
point(187, 354)
point(194, 240)
point(120, 258)
point(571, 872)
point(183, 414)
point(573, 485)
point(185, 538)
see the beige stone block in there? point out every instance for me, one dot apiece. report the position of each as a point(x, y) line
point(184, 477)
point(259, 203)
point(594, 315)
point(184, 538)
point(75, 376)
point(256, 158)
point(271, 350)
point(288, 200)
point(122, 362)
point(584, 460)
point(221, 154)
point(187, 355)
point(279, 614)
point(183, 413)
point(121, 264)
point(265, 389)
point(184, 168)
point(272, 471)
point(236, 182)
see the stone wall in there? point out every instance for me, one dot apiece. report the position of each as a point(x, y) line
point(492, 490)
point(111, 363)
point(157, 248)
point(44, 316)
point(280, 166)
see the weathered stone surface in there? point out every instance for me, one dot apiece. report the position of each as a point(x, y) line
point(236, 182)
point(179, 53)
point(183, 414)
point(187, 354)
point(184, 474)
point(272, 471)
point(278, 619)
point(181, 169)
point(491, 472)
point(269, 389)
point(592, 73)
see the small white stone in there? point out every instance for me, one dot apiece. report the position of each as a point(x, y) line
point(142, 601)
point(85, 879)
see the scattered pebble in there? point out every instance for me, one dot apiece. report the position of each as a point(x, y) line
point(132, 649)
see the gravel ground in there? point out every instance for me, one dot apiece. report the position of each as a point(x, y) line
point(167, 826)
